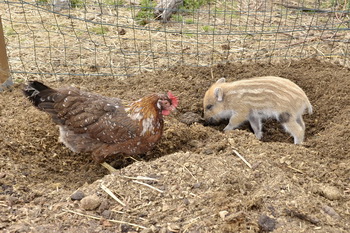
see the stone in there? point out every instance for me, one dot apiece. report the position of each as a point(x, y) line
point(90, 202)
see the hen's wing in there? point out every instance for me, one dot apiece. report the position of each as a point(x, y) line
point(100, 117)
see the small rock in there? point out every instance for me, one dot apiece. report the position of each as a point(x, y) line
point(165, 207)
point(189, 118)
point(12, 200)
point(25, 173)
point(195, 143)
point(225, 47)
point(104, 206)
point(90, 202)
point(2, 175)
point(266, 223)
point(39, 200)
point(330, 192)
point(186, 201)
point(105, 223)
point(106, 214)
point(208, 151)
point(331, 212)
point(172, 227)
point(122, 31)
point(77, 196)
point(197, 185)
point(126, 228)
point(143, 214)
point(223, 214)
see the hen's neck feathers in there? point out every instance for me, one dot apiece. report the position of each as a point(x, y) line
point(147, 107)
point(148, 115)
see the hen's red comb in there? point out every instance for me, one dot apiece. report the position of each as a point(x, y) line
point(174, 100)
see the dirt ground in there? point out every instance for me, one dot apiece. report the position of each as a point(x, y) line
point(196, 182)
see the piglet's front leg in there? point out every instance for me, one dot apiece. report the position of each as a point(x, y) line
point(235, 122)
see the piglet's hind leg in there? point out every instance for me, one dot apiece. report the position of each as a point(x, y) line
point(255, 123)
point(296, 130)
point(301, 122)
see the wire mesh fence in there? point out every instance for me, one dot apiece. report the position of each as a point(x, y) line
point(122, 38)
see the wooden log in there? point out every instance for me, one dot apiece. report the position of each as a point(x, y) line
point(4, 65)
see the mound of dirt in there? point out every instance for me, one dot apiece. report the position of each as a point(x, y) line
point(193, 181)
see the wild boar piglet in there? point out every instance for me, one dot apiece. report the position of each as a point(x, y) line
point(256, 99)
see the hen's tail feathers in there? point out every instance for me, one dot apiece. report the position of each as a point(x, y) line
point(37, 93)
point(43, 97)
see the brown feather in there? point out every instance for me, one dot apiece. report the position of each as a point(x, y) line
point(102, 125)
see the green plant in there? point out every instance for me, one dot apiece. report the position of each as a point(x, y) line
point(207, 28)
point(340, 4)
point(146, 11)
point(234, 15)
point(177, 17)
point(18, 80)
point(343, 26)
point(195, 4)
point(41, 1)
point(189, 21)
point(76, 3)
point(114, 2)
point(100, 30)
point(9, 31)
point(188, 34)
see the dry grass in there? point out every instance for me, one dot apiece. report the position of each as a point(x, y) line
point(109, 41)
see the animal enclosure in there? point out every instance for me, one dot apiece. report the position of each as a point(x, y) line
point(192, 181)
point(124, 38)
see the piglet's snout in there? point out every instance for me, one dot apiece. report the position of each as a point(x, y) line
point(210, 121)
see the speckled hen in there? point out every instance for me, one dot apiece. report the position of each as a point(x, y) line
point(103, 125)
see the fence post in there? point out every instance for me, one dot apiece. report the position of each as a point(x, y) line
point(5, 79)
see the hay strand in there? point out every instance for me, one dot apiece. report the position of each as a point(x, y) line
point(109, 192)
point(140, 178)
point(147, 185)
point(242, 158)
point(99, 218)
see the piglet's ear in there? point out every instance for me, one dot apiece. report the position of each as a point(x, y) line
point(219, 94)
point(221, 80)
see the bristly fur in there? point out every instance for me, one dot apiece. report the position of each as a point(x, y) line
point(256, 99)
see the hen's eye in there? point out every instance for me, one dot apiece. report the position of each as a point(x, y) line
point(165, 103)
point(209, 106)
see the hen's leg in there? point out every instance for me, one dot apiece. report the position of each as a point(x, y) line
point(108, 167)
point(100, 154)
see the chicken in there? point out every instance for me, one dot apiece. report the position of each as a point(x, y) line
point(102, 125)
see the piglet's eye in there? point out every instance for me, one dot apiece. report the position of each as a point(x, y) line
point(209, 106)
